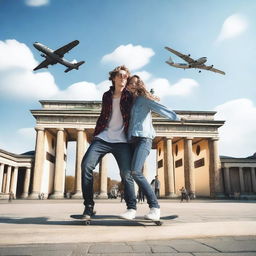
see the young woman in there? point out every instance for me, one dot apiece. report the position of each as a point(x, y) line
point(141, 134)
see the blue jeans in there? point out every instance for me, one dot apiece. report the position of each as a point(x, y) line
point(141, 148)
point(122, 154)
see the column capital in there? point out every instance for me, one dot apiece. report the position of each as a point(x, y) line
point(214, 138)
point(189, 138)
point(39, 128)
point(80, 129)
point(60, 129)
point(169, 138)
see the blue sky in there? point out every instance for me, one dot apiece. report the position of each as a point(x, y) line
point(133, 33)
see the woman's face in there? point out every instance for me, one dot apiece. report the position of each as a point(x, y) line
point(132, 85)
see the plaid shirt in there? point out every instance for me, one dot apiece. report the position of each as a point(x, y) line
point(106, 110)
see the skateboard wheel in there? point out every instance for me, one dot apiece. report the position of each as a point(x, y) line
point(159, 223)
point(87, 222)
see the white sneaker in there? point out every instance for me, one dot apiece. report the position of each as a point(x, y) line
point(154, 214)
point(129, 214)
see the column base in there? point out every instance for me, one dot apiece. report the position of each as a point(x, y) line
point(171, 195)
point(33, 196)
point(57, 195)
point(4, 196)
point(24, 196)
point(103, 196)
point(77, 195)
point(219, 195)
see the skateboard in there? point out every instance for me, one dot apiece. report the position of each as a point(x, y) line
point(114, 219)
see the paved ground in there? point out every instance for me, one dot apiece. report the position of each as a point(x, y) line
point(206, 228)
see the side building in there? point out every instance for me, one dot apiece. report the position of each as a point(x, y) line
point(15, 174)
point(239, 177)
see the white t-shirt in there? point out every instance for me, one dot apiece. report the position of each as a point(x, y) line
point(114, 132)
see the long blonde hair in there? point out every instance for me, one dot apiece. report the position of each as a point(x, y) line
point(141, 89)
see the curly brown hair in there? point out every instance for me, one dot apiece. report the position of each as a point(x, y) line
point(113, 73)
point(141, 89)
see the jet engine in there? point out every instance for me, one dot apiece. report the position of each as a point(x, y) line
point(201, 60)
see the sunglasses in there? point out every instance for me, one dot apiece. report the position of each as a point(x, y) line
point(122, 74)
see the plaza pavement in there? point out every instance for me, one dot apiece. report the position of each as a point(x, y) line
point(198, 228)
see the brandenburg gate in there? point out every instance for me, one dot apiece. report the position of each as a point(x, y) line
point(186, 154)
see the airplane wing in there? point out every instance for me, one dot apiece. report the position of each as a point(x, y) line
point(183, 56)
point(210, 68)
point(45, 63)
point(61, 51)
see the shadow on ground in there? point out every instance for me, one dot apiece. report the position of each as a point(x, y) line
point(98, 220)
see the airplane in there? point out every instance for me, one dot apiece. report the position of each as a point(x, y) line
point(53, 57)
point(191, 63)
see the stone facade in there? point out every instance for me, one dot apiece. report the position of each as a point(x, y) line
point(238, 175)
point(187, 154)
point(15, 174)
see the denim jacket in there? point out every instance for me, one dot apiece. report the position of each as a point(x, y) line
point(141, 121)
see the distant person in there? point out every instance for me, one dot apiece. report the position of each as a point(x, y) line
point(184, 194)
point(141, 196)
point(110, 136)
point(155, 183)
point(141, 134)
point(11, 197)
point(121, 191)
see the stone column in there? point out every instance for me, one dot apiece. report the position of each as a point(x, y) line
point(4, 182)
point(80, 149)
point(58, 189)
point(26, 183)
point(189, 168)
point(170, 169)
point(241, 179)
point(253, 179)
point(215, 169)
point(1, 176)
point(8, 179)
point(103, 177)
point(39, 161)
point(227, 180)
point(14, 181)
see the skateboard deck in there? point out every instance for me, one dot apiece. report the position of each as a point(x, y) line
point(115, 220)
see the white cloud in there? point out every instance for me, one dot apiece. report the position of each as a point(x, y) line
point(237, 136)
point(144, 75)
point(83, 91)
point(17, 80)
point(36, 3)
point(233, 26)
point(163, 88)
point(134, 57)
point(15, 55)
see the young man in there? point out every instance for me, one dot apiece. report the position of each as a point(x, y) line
point(110, 137)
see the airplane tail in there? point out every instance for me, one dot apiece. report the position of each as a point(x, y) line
point(170, 60)
point(76, 66)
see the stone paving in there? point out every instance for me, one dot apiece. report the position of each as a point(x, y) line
point(217, 246)
point(201, 228)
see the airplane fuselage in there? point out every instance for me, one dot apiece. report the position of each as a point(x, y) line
point(49, 54)
point(190, 62)
point(195, 64)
